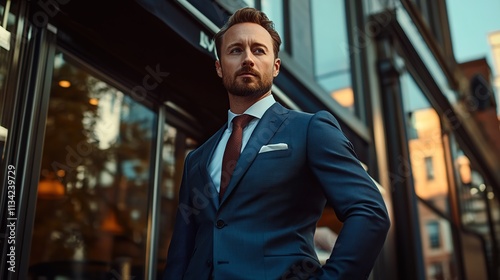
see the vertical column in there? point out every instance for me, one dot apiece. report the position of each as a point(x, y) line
point(154, 194)
point(406, 223)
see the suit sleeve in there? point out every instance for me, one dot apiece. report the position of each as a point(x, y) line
point(182, 242)
point(354, 197)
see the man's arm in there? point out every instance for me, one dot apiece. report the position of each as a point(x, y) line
point(354, 197)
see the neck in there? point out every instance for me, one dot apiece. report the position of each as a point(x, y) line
point(239, 104)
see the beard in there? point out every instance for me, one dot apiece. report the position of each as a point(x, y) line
point(255, 86)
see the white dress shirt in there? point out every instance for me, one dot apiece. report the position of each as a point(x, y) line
point(257, 110)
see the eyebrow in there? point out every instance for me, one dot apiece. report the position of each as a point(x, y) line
point(238, 44)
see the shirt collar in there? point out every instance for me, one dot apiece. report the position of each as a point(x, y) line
point(257, 110)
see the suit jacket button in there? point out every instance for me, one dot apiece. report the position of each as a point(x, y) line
point(220, 224)
point(209, 263)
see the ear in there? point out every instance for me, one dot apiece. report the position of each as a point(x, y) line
point(277, 64)
point(218, 68)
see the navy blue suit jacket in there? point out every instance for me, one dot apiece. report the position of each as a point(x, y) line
point(263, 228)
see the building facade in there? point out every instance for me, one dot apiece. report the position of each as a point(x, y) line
point(102, 100)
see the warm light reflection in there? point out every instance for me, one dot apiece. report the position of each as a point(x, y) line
point(60, 173)
point(426, 120)
point(111, 225)
point(344, 97)
point(494, 40)
point(50, 188)
point(3, 133)
point(94, 101)
point(64, 84)
point(464, 169)
point(429, 144)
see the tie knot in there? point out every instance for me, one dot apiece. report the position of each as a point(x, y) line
point(242, 120)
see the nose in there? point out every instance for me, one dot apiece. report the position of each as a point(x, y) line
point(248, 59)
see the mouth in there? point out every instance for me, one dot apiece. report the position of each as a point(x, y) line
point(246, 73)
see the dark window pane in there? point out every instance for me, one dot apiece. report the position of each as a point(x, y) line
point(429, 168)
point(433, 234)
point(91, 213)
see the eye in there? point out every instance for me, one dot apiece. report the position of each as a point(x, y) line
point(259, 51)
point(235, 50)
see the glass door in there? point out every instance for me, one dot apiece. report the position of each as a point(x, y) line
point(91, 214)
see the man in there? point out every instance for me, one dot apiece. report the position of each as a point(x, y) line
point(261, 226)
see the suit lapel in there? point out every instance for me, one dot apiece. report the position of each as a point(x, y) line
point(265, 130)
point(207, 154)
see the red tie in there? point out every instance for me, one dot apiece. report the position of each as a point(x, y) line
point(232, 152)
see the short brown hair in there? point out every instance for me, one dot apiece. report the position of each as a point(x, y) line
point(253, 16)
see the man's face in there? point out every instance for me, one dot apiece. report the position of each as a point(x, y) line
point(247, 64)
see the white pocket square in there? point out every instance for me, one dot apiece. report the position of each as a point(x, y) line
point(273, 147)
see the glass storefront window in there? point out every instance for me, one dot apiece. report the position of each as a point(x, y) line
point(440, 258)
point(425, 144)
point(430, 180)
point(4, 63)
point(332, 68)
point(479, 207)
point(7, 27)
point(3, 55)
point(424, 52)
point(91, 212)
point(176, 146)
point(474, 194)
point(250, 3)
point(274, 10)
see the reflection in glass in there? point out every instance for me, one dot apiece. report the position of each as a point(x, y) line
point(250, 3)
point(424, 52)
point(6, 100)
point(428, 166)
point(4, 59)
point(434, 234)
point(91, 212)
point(332, 51)
point(3, 70)
point(439, 252)
point(274, 10)
point(478, 204)
point(4, 63)
point(176, 145)
point(473, 194)
point(425, 145)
